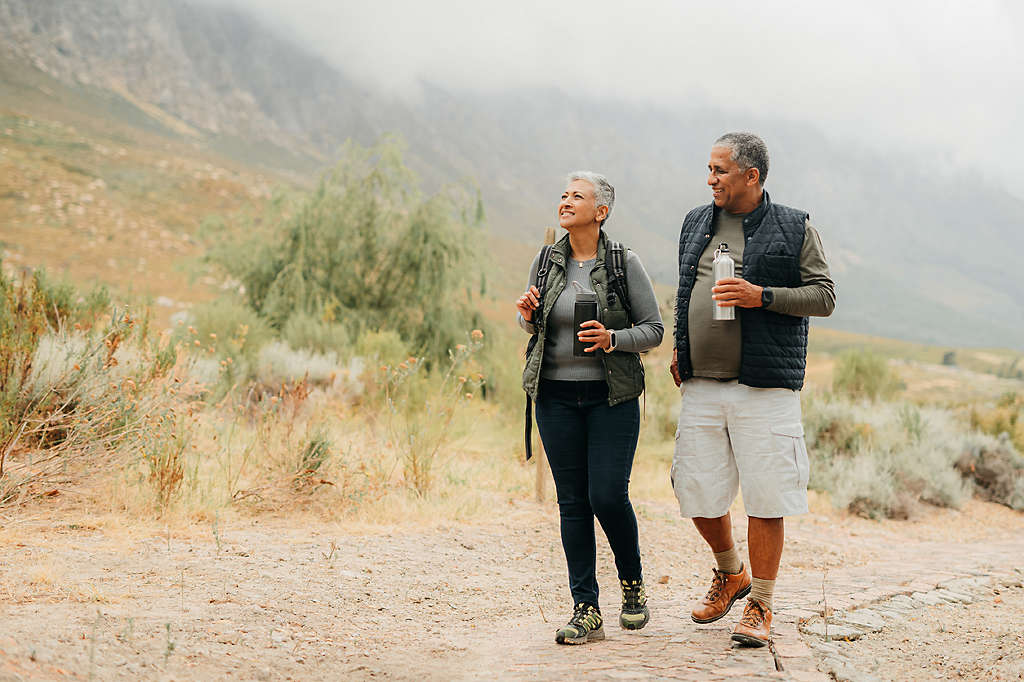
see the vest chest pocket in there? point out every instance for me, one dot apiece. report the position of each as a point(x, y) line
point(616, 319)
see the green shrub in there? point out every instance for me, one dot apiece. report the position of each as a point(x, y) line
point(312, 332)
point(229, 331)
point(366, 250)
point(383, 347)
point(885, 459)
point(861, 374)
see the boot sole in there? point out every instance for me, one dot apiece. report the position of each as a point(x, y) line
point(747, 640)
point(592, 636)
point(736, 597)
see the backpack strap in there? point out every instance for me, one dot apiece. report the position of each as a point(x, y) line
point(541, 282)
point(616, 266)
point(543, 269)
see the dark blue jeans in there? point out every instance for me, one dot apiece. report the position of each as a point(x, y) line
point(590, 447)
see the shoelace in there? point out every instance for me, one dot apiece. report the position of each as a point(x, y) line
point(633, 594)
point(717, 585)
point(753, 615)
point(583, 617)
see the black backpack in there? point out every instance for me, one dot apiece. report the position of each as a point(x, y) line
point(615, 264)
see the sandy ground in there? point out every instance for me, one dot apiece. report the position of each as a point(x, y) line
point(298, 598)
point(979, 641)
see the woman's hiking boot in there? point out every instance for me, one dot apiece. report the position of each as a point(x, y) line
point(634, 605)
point(585, 626)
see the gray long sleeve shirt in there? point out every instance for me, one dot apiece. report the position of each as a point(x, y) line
point(646, 333)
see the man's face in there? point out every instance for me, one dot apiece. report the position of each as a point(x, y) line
point(729, 183)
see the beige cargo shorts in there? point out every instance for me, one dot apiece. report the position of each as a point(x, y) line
point(732, 436)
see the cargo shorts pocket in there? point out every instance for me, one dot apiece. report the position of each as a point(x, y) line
point(792, 435)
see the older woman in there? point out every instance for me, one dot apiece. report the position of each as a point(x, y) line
point(587, 409)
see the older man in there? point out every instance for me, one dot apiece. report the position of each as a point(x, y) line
point(739, 419)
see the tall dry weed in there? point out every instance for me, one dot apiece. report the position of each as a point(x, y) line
point(419, 406)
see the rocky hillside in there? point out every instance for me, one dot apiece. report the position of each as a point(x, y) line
point(917, 252)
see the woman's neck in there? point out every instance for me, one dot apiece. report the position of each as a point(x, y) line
point(583, 241)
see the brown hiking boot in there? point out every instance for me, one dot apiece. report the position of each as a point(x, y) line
point(725, 589)
point(755, 626)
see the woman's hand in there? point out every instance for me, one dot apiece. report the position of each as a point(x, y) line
point(528, 302)
point(595, 333)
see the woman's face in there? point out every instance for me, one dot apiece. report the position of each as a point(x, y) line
point(576, 209)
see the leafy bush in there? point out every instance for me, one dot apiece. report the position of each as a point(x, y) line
point(863, 374)
point(1005, 417)
point(279, 364)
point(384, 347)
point(883, 460)
point(304, 330)
point(225, 336)
point(996, 468)
point(365, 250)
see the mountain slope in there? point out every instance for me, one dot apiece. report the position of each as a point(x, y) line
point(915, 253)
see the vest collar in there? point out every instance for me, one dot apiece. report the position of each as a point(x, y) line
point(562, 250)
point(753, 219)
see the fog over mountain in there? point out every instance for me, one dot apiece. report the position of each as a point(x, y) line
point(894, 127)
point(941, 80)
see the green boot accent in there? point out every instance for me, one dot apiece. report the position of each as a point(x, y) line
point(634, 605)
point(584, 626)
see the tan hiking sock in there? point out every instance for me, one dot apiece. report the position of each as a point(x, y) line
point(762, 590)
point(729, 561)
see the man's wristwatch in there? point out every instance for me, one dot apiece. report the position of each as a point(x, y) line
point(767, 296)
point(611, 342)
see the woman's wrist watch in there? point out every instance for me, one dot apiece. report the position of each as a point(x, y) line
point(611, 342)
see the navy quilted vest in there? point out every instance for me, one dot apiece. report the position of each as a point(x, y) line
point(774, 353)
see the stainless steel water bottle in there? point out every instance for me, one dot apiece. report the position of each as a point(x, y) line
point(723, 266)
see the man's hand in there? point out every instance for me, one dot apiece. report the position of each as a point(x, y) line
point(594, 332)
point(528, 302)
point(733, 291)
point(674, 367)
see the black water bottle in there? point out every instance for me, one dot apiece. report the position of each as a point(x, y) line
point(584, 311)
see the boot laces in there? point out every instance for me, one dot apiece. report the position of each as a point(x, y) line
point(753, 614)
point(717, 585)
point(633, 594)
point(583, 617)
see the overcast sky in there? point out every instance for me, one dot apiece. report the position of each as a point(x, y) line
point(942, 77)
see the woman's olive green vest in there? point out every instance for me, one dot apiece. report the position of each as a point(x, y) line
point(623, 370)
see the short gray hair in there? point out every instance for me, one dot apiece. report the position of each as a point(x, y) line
point(748, 151)
point(604, 193)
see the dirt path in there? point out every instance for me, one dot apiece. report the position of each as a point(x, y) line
point(289, 599)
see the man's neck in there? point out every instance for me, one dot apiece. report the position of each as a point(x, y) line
point(748, 204)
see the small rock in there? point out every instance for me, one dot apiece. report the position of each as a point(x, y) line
point(833, 631)
point(901, 602)
point(954, 597)
point(865, 618)
point(927, 598)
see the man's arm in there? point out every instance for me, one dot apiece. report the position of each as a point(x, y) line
point(816, 294)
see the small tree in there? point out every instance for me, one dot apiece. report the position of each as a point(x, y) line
point(367, 250)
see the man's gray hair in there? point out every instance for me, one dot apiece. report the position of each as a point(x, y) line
point(604, 193)
point(748, 151)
